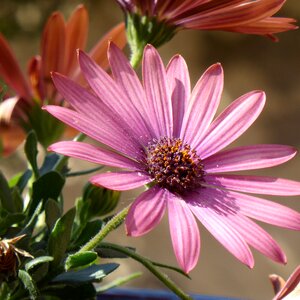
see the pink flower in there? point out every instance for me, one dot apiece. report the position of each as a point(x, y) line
point(59, 42)
point(163, 135)
point(289, 290)
point(243, 16)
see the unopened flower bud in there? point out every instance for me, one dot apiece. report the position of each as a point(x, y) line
point(101, 200)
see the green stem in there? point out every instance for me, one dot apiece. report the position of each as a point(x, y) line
point(111, 225)
point(63, 159)
point(84, 172)
point(148, 264)
point(136, 56)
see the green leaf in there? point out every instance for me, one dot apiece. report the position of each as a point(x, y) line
point(47, 128)
point(4, 291)
point(80, 259)
point(7, 220)
point(40, 270)
point(47, 186)
point(5, 195)
point(53, 213)
point(60, 237)
point(74, 292)
point(31, 152)
point(20, 180)
point(93, 273)
point(37, 261)
point(49, 163)
point(30, 224)
point(15, 179)
point(28, 284)
point(17, 199)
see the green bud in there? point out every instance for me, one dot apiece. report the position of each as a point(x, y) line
point(100, 201)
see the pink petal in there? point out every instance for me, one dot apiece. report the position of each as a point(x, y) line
point(231, 14)
point(291, 285)
point(264, 210)
point(232, 123)
point(111, 94)
point(184, 233)
point(91, 106)
point(10, 70)
point(256, 237)
point(126, 77)
point(214, 219)
point(146, 211)
point(249, 158)
point(202, 106)
point(99, 51)
point(106, 132)
point(180, 88)
point(93, 154)
point(255, 184)
point(121, 181)
point(80, 98)
point(226, 206)
point(157, 91)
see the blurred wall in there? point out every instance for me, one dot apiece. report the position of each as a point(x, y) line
point(250, 63)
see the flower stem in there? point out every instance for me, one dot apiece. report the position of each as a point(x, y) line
point(136, 56)
point(84, 172)
point(148, 264)
point(63, 159)
point(111, 225)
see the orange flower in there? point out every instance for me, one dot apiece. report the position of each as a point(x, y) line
point(59, 42)
point(244, 16)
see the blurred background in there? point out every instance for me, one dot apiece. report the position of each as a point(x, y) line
point(250, 63)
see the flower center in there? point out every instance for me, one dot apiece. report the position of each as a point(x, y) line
point(174, 165)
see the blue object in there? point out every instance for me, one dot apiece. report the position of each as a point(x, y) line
point(149, 294)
